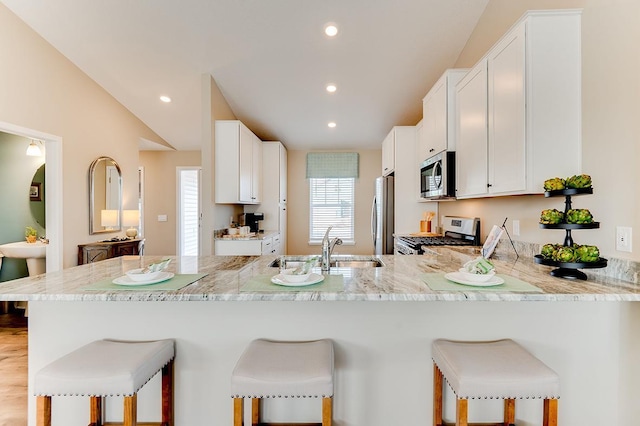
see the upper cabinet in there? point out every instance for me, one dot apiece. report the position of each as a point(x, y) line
point(518, 111)
point(438, 111)
point(238, 164)
point(389, 154)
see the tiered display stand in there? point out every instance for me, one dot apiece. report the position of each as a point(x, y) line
point(569, 270)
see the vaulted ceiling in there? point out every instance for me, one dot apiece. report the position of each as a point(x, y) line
point(270, 58)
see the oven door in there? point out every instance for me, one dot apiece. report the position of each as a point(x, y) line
point(431, 177)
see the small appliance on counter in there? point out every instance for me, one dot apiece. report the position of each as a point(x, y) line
point(457, 231)
point(252, 221)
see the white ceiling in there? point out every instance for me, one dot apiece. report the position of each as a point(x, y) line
point(270, 58)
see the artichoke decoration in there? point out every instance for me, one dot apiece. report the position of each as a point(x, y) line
point(580, 216)
point(551, 216)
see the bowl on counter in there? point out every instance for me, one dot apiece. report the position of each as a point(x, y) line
point(478, 278)
point(289, 275)
point(138, 275)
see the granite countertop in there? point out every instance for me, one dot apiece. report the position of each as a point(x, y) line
point(399, 280)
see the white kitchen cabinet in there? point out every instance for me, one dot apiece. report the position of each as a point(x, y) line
point(532, 109)
point(408, 206)
point(274, 191)
point(389, 154)
point(471, 146)
point(238, 164)
point(254, 247)
point(438, 111)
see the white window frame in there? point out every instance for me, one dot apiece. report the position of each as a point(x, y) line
point(345, 233)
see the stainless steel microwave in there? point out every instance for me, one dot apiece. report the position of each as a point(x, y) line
point(438, 175)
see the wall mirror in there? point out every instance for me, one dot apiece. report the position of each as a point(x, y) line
point(37, 197)
point(105, 196)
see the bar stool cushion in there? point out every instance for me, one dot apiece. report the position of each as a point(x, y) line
point(272, 369)
point(104, 368)
point(499, 369)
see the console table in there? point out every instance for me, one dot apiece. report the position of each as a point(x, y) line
point(101, 250)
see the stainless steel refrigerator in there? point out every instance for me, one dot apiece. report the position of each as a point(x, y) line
point(382, 216)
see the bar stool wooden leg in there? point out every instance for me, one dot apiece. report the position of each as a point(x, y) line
point(95, 410)
point(131, 410)
point(509, 412)
point(43, 408)
point(550, 412)
point(167, 394)
point(437, 396)
point(238, 411)
point(255, 411)
point(327, 411)
point(461, 412)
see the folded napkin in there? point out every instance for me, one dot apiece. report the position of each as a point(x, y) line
point(331, 283)
point(176, 283)
point(436, 281)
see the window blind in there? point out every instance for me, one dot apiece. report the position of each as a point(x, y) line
point(332, 165)
point(331, 204)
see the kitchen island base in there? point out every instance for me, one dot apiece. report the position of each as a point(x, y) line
point(380, 347)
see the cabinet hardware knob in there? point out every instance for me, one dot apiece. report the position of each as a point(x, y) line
point(489, 185)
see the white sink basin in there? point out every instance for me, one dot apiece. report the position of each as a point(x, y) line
point(34, 253)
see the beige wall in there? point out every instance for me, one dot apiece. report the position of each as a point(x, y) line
point(43, 91)
point(610, 130)
point(160, 188)
point(298, 204)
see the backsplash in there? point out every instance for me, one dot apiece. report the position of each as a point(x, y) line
point(623, 269)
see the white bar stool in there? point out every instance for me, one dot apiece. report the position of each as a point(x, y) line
point(500, 369)
point(273, 369)
point(108, 368)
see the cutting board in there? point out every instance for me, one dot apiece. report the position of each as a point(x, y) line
point(425, 234)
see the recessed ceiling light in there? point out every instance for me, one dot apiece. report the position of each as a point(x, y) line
point(331, 124)
point(331, 30)
point(165, 99)
point(331, 88)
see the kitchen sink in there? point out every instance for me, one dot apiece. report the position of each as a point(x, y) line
point(338, 261)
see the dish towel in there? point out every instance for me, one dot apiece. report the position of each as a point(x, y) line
point(176, 283)
point(437, 282)
point(331, 283)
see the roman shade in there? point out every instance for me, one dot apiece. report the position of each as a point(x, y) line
point(332, 165)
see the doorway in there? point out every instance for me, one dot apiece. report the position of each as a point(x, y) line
point(189, 214)
point(53, 178)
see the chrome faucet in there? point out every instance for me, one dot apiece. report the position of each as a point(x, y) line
point(327, 248)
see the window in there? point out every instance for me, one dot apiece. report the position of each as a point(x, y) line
point(331, 203)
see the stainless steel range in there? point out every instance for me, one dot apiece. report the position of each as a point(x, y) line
point(457, 231)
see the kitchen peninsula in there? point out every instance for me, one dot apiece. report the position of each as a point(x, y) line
point(585, 330)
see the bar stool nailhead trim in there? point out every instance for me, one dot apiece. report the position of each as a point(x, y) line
point(108, 368)
point(500, 369)
point(275, 369)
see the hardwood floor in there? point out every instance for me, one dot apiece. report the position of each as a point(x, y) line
point(13, 369)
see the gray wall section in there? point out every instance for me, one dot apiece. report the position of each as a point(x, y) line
point(16, 173)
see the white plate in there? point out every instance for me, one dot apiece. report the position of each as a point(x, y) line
point(457, 277)
point(125, 280)
point(313, 279)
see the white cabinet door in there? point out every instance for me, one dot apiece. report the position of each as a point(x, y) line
point(246, 168)
point(256, 170)
point(238, 164)
point(434, 116)
point(389, 154)
point(506, 115)
point(438, 116)
point(471, 148)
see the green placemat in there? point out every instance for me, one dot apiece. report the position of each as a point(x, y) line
point(437, 281)
point(177, 282)
point(332, 283)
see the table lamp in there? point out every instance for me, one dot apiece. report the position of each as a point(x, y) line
point(131, 218)
point(109, 218)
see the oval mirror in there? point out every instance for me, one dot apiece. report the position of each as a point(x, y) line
point(36, 197)
point(105, 196)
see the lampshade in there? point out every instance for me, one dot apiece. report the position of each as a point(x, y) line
point(109, 218)
point(131, 218)
point(33, 150)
